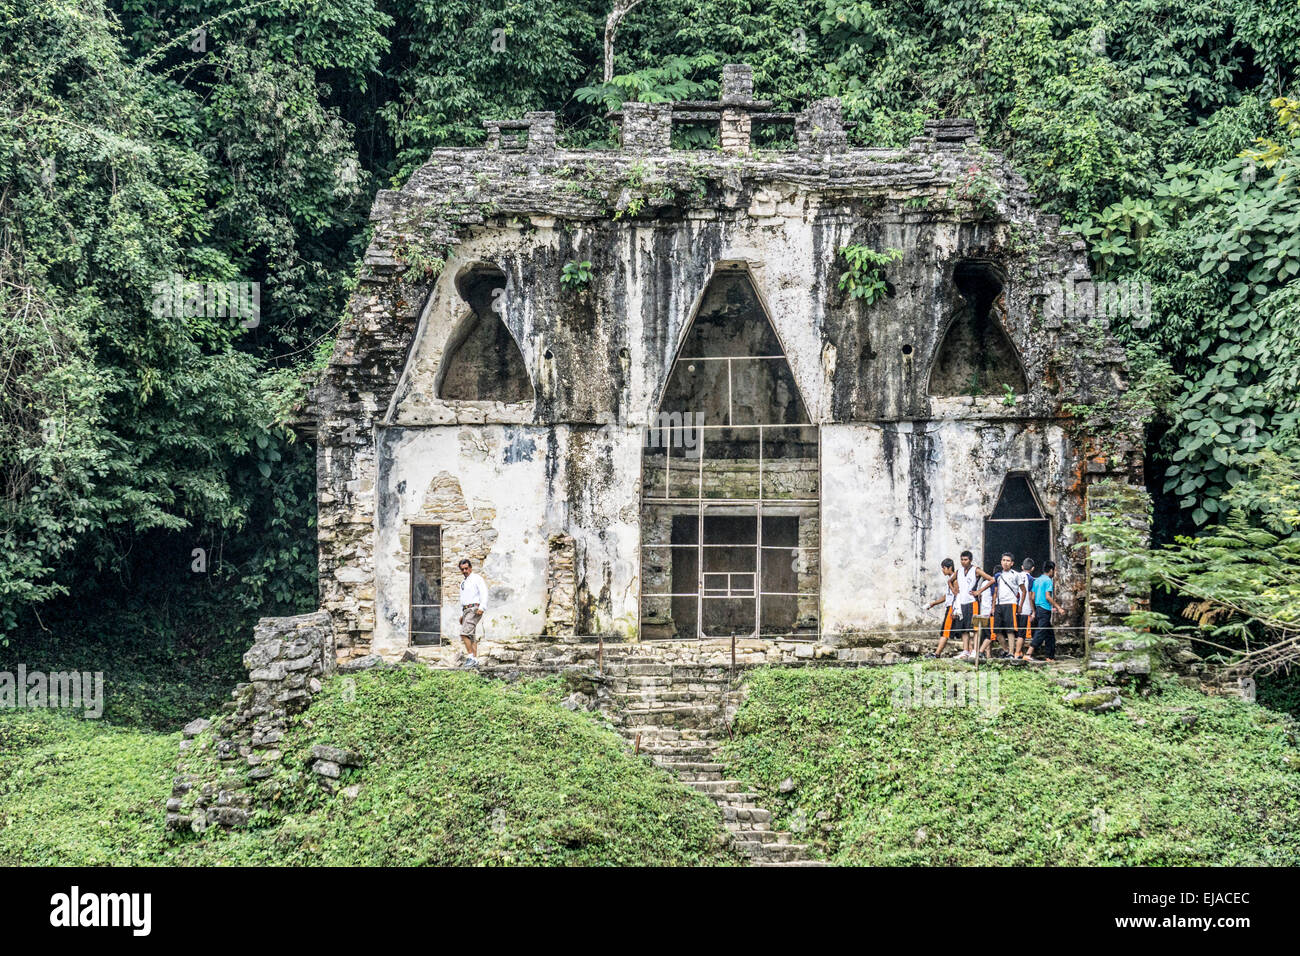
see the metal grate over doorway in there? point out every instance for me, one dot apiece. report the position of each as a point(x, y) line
point(730, 497)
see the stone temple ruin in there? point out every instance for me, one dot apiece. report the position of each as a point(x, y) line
point(629, 385)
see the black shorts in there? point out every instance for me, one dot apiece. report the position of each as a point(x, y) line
point(1022, 626)
point(1004, 620)
point(965, 617)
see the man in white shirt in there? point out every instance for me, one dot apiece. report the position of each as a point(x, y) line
point(473, 602)
point(947, 599)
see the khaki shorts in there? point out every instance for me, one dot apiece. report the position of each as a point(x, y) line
point(469, 619)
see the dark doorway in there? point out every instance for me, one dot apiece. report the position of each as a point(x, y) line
point(1017, 525)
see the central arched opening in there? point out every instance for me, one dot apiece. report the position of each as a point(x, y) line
point(730, 482)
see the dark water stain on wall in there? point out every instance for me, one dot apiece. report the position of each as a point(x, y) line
point(519, 446)
point(919, 498)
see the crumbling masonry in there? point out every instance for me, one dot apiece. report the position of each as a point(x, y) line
point(632, 387)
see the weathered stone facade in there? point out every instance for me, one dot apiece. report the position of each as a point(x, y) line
point(904, 475)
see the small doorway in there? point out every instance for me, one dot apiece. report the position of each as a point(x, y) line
point(1018, 525)
point(426, 584)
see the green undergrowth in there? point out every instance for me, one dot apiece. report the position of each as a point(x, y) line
point(458, 770)
point(1173, 778)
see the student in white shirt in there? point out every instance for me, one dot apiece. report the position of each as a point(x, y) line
point(949, 596)
point(1008, 594)
point(1025, 612)
point(473, 602)
point(968, 605)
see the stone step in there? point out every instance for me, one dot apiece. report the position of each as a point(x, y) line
point(788, 863)
point(693, 778)
point(671, 670)
point(705, 682)
point(745, 813)
point(653, 699)
point(759, 835)
point(485, 669)
point(678, 750)
point(695, 716)
point(658, 733)
point(736, 801)
point(732, 788)
point(773, 852)
point(690, 766)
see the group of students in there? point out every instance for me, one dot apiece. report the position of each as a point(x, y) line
point(1019, 609)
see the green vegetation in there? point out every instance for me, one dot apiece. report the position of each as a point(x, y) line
point(458, 771)
point(865, 277)
point(464, 771)
point(1240, 574)
point(576, 275)
point(1036, 783)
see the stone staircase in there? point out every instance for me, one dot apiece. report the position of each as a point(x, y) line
point(678, 713)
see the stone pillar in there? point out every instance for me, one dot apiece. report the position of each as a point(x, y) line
point(1109, 600)
point(1116, 648)
point(734, 124)
point(541, 131)
point(561, 585)
point(647, 127)
point(820, 128)
point(809, 576)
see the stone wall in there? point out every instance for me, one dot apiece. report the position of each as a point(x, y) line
point(220, 765)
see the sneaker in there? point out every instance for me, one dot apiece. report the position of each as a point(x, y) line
point(470, 661)
point(932, 656)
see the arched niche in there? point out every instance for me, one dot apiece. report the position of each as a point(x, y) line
point(976, 356)
point(482, 360)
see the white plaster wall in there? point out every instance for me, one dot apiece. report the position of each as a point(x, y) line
point(515, 479)
point(885, 527)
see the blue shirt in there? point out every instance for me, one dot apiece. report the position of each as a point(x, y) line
point(1042, 585)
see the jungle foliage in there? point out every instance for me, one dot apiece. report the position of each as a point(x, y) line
point(222, 140)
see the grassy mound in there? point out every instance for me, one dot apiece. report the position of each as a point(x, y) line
point(77, 792)
point(1036, 782)
point(458, 770)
